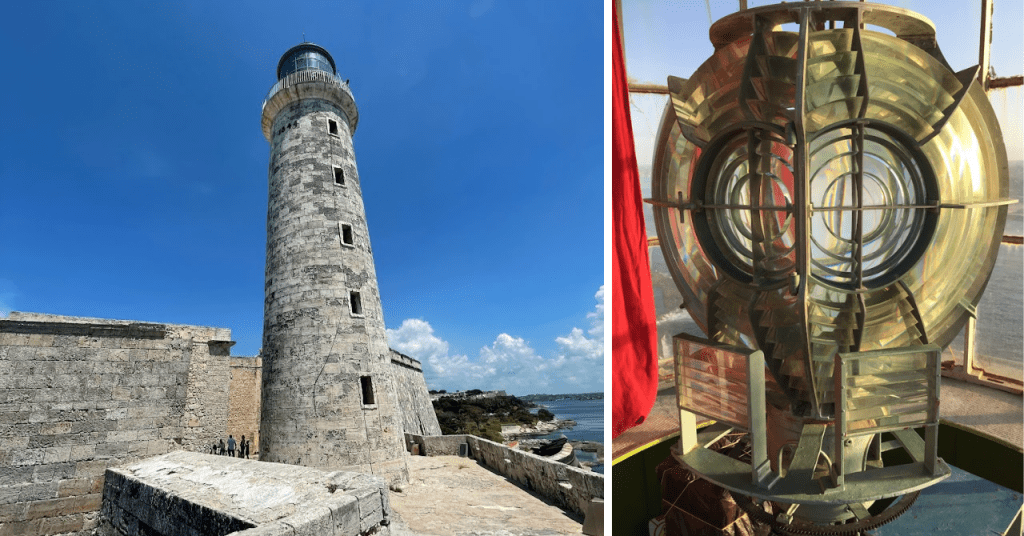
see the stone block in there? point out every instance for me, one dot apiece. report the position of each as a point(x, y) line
point(26, 457)
point(21, 528)
point(313, 520)
point(13, 512)
point(20, 474)
point(25, 493)
point(92, 468)
point(277, 528)
point(344, 514)
point(75, 486)
point(67, 523)
point(50, 508)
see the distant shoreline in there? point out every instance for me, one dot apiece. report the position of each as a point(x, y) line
point(552, 398)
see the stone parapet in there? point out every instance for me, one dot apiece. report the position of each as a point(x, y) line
point(569, 487)
point(185, 493)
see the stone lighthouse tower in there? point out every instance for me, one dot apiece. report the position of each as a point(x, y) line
point(328, 395)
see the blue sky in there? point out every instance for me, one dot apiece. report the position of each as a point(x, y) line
point(134, 171)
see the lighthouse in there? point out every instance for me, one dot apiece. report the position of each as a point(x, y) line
point(329, 399)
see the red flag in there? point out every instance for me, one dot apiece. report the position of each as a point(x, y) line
point(634, 329)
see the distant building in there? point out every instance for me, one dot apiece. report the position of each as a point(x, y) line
point(465, 395)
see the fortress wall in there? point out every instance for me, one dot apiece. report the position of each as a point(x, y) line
point(570, 487)
point(439, 445)
point(244, 400)
point(80, 394)
point(417, 410)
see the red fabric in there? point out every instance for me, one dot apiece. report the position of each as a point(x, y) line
point(634, 330)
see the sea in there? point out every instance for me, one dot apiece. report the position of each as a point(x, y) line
point(589, 417)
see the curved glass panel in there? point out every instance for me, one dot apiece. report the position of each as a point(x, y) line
point(302, 57)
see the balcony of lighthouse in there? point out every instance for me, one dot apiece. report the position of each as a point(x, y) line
point(309, 83)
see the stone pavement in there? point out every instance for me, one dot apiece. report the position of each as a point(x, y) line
point(453, 496)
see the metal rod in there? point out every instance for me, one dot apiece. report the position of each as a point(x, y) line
point(801, 188)
point(969, 332)
point(985, 48)
point(759, 464)
point(1007, 81)
point(839, 397)
point(648, 88)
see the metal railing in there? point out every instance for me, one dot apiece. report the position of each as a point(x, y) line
point(305, 76)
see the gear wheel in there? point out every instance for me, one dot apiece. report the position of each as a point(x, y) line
point(758, 514)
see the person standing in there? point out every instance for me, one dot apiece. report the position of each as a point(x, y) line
point(220, 447)
point(241, 448)
point(231, 446)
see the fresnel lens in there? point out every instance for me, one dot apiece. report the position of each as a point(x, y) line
point(830, 203)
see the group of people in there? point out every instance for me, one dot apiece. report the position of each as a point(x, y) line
point(229, 449)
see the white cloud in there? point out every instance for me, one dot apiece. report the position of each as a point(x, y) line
point(7, 295)
point(510, 363)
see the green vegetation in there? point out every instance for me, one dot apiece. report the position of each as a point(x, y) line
point(483, 417)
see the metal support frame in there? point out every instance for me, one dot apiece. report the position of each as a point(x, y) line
point(756, 479)
point(970, 330)
point(985, 47)
point(760, 468)
point(923, 452)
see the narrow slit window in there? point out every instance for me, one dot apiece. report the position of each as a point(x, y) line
point(346, 234)
point(332, 127)
point(355, 302)
point(339, 176)
point(367, 384)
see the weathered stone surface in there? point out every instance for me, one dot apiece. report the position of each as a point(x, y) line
point(570, 487)
point(454, 496)
point(191, 493)
point(244, 400)
point(316, 346)
point(418, 415)
point(81, 394)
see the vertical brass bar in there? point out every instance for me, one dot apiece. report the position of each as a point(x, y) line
point(758, 425)
point(839, 384)
point(985, 48)
point(858, 199)
point(687, 420)
point(931, 432)
point(687, 431)
point(801, 200)
point(969, 332)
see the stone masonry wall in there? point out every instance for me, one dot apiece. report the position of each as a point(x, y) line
point(570, 487)
point(418, 415)
point(78, 395)
point(244, 401)
point(318, 348)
